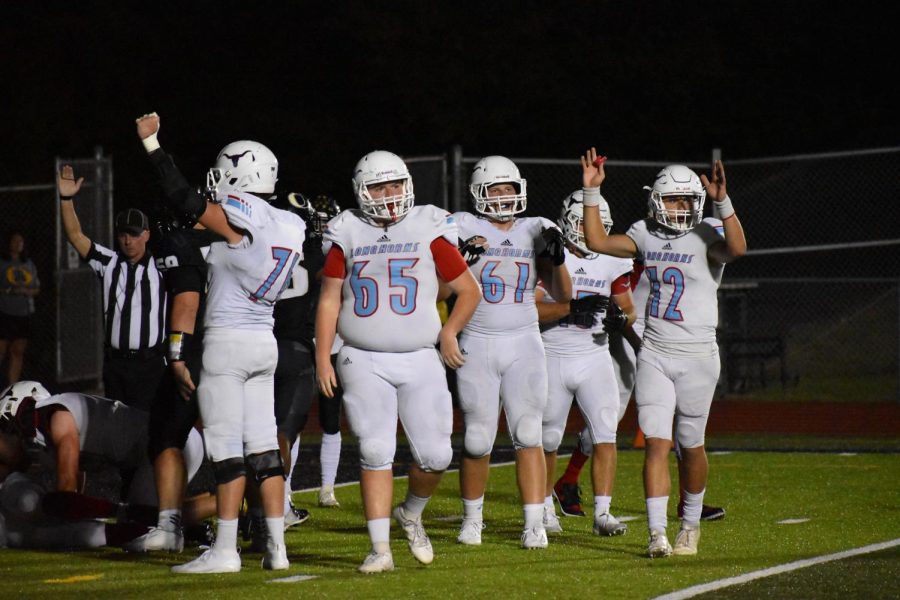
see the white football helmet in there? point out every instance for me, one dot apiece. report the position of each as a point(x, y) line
point(377, 167)
point(13, 395)
point(244, 166)
point(677, 180)
point(571, 220)
point(492, 170)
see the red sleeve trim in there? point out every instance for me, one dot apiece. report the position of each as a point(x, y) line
point(449, 262)
point(334, 264)
point(621, 285)
point(636, 274)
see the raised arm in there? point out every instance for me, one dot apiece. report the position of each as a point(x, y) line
point(68, 188)
point(180, 196)
point(735, 244)
point(594, 233)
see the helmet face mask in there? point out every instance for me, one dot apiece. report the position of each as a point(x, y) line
point(675, 185)
point(12, 397)
point(492, 171)
point(571, 220)
point(244, 166)
point(375, 172)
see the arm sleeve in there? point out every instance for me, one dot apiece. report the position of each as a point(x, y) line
point(179, 195)
point(621, 284)
point(447, 259)
point(99, 258)
point(334, 263)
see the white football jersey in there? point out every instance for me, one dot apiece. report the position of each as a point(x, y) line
point(591, 275)
point(246, 279)
point(682, 308)
point(506, 273)
point(389, 297)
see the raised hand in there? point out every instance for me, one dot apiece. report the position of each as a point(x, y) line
point(147, 125)
point(592, 174)
point(472, 248)
point(66, 183)
point(715, 188)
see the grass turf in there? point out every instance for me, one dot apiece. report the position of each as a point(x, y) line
point(850, 501)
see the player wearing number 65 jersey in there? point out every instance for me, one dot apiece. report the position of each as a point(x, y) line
point(379, 290)
point(678, 367)
point(506, 362)
point(247, 273)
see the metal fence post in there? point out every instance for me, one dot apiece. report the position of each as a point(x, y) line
point(456, 178)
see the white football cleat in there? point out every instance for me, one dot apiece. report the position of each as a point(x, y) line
point(157, 539)
point(659, 546)
point(470, 532)
point(377, 563)
point(276, 558)
point(606, 524)
point(214, 560)
point(327, 499)
point(534, 538)
point(551, 522)
point(419, 544)
point(687, 540)
point(295, 516)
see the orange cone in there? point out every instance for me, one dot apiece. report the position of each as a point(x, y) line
point(639, 439)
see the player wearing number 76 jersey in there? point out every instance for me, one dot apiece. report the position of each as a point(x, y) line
point(247, 273)
point(379, 291)
point(678, 367)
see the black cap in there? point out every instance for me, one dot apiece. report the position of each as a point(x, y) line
point(132, 221)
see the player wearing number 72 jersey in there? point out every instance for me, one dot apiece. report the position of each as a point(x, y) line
point(678, 366)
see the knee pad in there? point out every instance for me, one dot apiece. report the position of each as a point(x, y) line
point(552, 438)
point(228, 470)
point(585, 442)
point(478, 442)
point(266, 464)
point(437, 461)
point(375, 454)
point(689, 435)
point(527, 432)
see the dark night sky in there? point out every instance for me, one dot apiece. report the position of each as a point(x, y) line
point(323, 83)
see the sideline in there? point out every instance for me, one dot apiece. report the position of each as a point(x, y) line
point(713, 586)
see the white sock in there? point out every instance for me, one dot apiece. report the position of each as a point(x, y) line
point(295, 453)
point(226, 534)
point(329, 456)
point(380, 534)
point(472, 509)
point(275, 525)
point(169, 519)
point(534, 515)
point(414, 505)
point(656, 512)
point(601, 505)
point(693, 507)
point(549, 505)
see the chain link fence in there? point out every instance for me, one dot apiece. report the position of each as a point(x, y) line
point(813, 311)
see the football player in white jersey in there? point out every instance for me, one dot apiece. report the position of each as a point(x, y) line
point(579, 362)
point(384, 263)
point(678, 367)
point(247, 273)
point(506, 363)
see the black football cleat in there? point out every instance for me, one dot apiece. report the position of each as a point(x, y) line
point(569, 497)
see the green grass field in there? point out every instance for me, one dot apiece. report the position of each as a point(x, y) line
point(850, 501)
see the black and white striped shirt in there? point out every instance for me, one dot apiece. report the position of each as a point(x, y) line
point(134, 299)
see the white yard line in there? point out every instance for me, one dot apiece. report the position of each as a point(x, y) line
point(713, 586)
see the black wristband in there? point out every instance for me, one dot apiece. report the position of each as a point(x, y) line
point(179, 343)
point(61, 197)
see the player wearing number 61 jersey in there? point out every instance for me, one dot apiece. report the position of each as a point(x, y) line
point(506, 364)
point(678, 366)
point(379, 290)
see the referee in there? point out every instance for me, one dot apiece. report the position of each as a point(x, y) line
point(134, 300)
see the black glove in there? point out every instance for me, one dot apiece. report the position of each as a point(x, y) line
point(472, 248)
point(615, 319)
point(588, 305)
point(555, 245)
